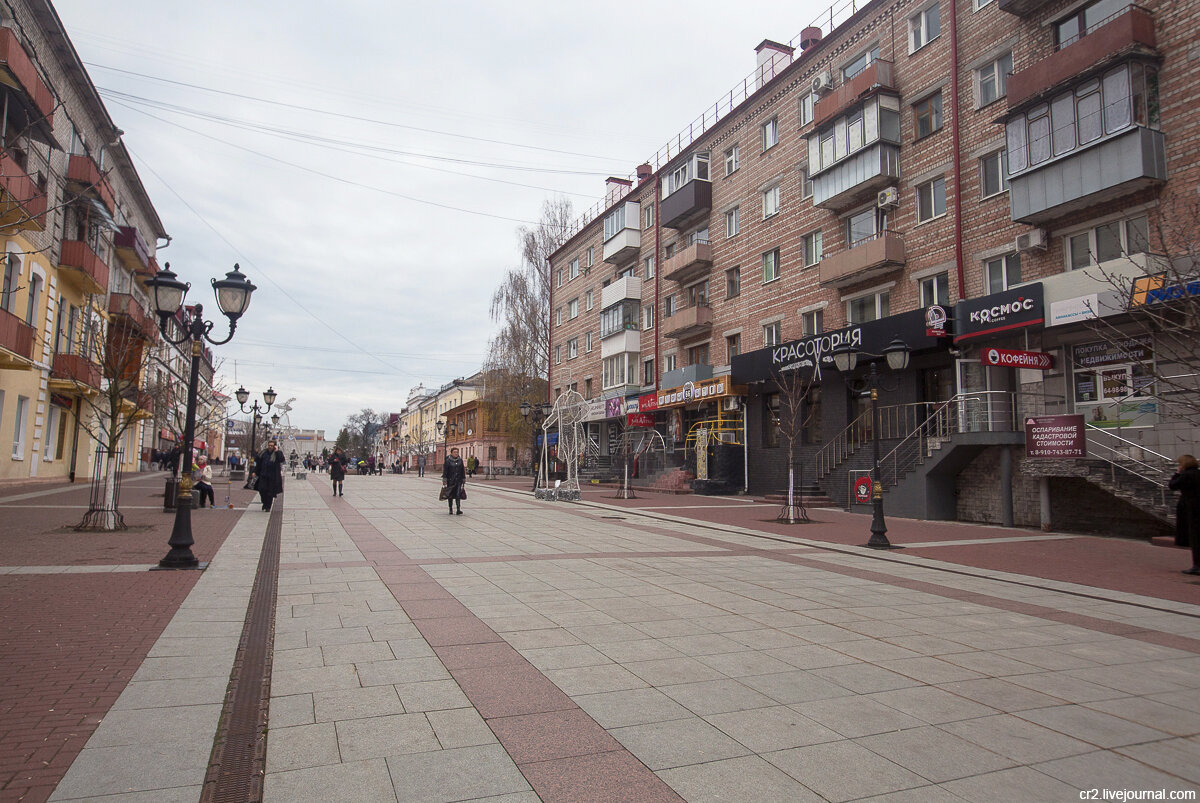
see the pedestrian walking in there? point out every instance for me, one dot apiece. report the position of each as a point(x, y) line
point(204, 478)
point(472, 465)
point(421, 466)
point(269, 470)
point(454, 481)
point(337, 470)
point(1187, 511)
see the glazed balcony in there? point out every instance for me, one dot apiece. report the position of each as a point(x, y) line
point(73, 372)
point(629, 288)
point(83, 266)
point(688, 322)
point(85, 178)
point(22, 202)
point(1130, 29)
point(858, 178)
point(687, 203)
point(877, 76)
point(131, 249)
point(622, 237)
point(126, 310)
point(689, 263)
point(881, 254)
point(18, 71)
point(16, 342)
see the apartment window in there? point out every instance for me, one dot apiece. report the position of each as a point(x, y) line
point(1108, 241)
point(648, 316)
point(927, 115)
point(868, 308)
point(812, 248)
point(770, 202)
point(35, 296)
point(770, 133)
point(981, 3)
point(574, 268)
point(807, 103)
point(648, 371)
point(1084, 20)
point(649, 263)
point(557, 355)
point(614, 222)
point(619, 369)
point(572, 348)
point(698, 294)
point(589, 299)
point(931, 199)
point(698, 355)
point(812, 322)
point(772, 435)
point(859, 64)
point(668, 306)
point(924, 28)
point(12, 280)
point(935, 290)
point(648, 215)
point(865, 225)
point(733, 282)
point(587, 392)
point(770, 265)
point(558, 316)
point(20, 426)
point(993, 173)
point(619, 317)
point(591, 256)
point(587, 340)
point(560, 277)
point(669, 363)
point(573, 309)
point(806, 185)
point(772, 333)
point(694, 168)
point(733, 346)
point(731, 222)
point(731, 160)
point(1002, 273)
point(992, 79)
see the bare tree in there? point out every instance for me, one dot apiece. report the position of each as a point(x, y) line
point(361, 428)
point(794, 415)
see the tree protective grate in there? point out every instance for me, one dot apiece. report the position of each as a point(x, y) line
point(239, 756)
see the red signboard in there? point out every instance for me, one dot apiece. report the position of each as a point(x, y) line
point(639, 420)
point(1009, 358)
point(862, 489)
point(1055, 437)
point(648, 402)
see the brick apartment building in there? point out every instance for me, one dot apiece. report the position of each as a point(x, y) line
point(79, 234)
point(992, 164)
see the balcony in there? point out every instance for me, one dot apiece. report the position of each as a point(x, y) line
point(126, 310)
point(688, 202)
point(619, 342)
point(688, 373)
point(141, 401)
point(131, 249)
point(1120, 165)
point(857, 178)
point(689, 263)
point(622, 289)
point(877, 75)
point(623, 246)
point(881, 254)
point(22, 201)
point(18, 71)
point(16, 342)
point(1021, 8)
point(83, 266)
point(85, 179)
point(1132, 28)
point(71, 372)
point(688, 322)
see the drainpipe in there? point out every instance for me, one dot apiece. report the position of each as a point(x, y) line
point(658, 269)
point(957, 144)
point(549, 329)
point(75, 436)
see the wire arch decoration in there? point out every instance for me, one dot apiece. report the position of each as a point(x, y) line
point(640, 446)
point(568, 414)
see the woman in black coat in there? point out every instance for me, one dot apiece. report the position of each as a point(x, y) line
point(269, 470)
point(1187, 511)
point(337, 470)
point(454, 481)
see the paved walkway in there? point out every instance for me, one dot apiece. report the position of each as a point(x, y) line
point(530, 650)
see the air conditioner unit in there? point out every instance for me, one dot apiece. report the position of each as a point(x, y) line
point(731, 403)
point(889, 198)
point(822, 83)
point(1030, 240)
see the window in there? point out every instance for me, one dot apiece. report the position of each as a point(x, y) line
point(589, 299)
point(560, 277)
point(668, 306)
point(587, 392)
point(772, 333)
point(648, 372)
point(865, 225)
point(619, 369)
point(868, 308)
point(628, 273)
point(572, 348)
point(591, 256)
point(770, 133)
point(733, 346)
point(731, 160)
point(19, 428)
point(698, 355)
point(935, 290)
point(770, 202)
point(807, 103)
point(731, 222)
point(924, 28)
point(1002, 273)
point(812, 248)
point(806, 186)
point(648, 215)
point(614, 222)
point(931, 199)
point(927, 115)
point(695, 167)
point(1108, 241)
point(12, 280)
point(619, 318)
point(1084, 20)
point(649, 263)
point(981, 3)
point(573, 309)
point(859, 64)
point(733, 282)
point(558, 316)
point(993, 173)
point(587, 342)
point(574, 269)
point(772, 437)
point(698, 294)
point(669, 362)
point(53, 422)
point(648, 316)
point(698, 236)
point(557, 355)
point(992, 79)
point(812, 322)
point(35, 296)
point(770, 265)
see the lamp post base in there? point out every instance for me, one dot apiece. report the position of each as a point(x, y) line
point(181, 559)
point(879, 539)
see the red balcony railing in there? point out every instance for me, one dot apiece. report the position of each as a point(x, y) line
point(84, 177)
point(16, 338)
point(125, 307)
point(79, 258)
point(76, 370)
point(22, 201)
point(131, 248)
point(20, 68)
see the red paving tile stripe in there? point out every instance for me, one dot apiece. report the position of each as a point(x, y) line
point(506, 688)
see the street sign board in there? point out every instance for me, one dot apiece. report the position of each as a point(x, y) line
point(1055, 437)
point(1010, 358)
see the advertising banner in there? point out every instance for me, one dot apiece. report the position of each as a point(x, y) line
point(639, 420)
point(999, 312)
point(1055, 437)
point(1009, 358)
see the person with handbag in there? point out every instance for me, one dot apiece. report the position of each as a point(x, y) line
point(454, 482)
point(337, 470)
point(204, 478)
point(268, 469)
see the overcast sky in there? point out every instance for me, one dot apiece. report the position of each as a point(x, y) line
point(295, 138)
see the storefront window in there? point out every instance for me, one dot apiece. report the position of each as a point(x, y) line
point(812, 416)
point(1114, 383)
point(771, 434)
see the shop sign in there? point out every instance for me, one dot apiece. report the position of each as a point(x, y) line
point(631, 406)
point(862, 489)
point(612, 407)
point(937, 321)
point(1018, 308)
point(1130, 349)
point(1008, 358)
point(1055, 437)
point(639, 420)
point(648, 403)
point(1070, 310)
point(59, 400)
point(1155, 290)
point(595, 410)
point(692, 392)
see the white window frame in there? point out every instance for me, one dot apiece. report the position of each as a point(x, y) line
point(558, 316)
point(919, 26)
point(573, 271)
point(670, 361)
point(868, 57)
point(805, 108)
point(572, 348)
point(927, 289)
point(588, 342)
point(806, 185)
point(591, 256)
point(1004, 265)
point(929, 191)
point(560, 277)
point(20, 428)
point(732, 224)
point(589, 299)
point(647, 316)
point(771, 257)
point(770, 134)
point(649, 264)
point(812, 322)
point(996, 162)
point(1091, 231)
point(771, 201)
point(772, 333)
point(731, 160)
point(882, 307)
point(995, 72)
point(558, 355)
point(813, 248)
point(978, 4)
point(573, 309)
point(648, 216)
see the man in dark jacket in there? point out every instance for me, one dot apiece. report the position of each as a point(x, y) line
point(269, 470)
point(1187, 512)
point(454, 479)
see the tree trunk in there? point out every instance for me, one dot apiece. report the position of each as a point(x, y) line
point(791, 489)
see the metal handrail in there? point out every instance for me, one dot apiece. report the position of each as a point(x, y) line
point(895, 421)
point(833, 453)
point(1093, 428)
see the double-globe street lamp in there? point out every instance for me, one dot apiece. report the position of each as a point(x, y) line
point(845, 358)
point(448, 429)
point(243, 395)
point(233, 297)
point(540, 413)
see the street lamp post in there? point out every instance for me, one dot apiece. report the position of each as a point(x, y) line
point(540, 413)
point(242, 395)
point(407, 449)
point(233, 297)
point(845, 358)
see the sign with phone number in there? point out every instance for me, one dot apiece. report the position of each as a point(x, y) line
point(1055, 437)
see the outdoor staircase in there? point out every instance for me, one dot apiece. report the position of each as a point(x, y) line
point(1138, 491)
point(1131, 473)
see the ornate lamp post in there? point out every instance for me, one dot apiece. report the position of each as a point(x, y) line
point(233, 297)
point(846, 360)
point(540, 413)
point(407, 450)
point(243, 395)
